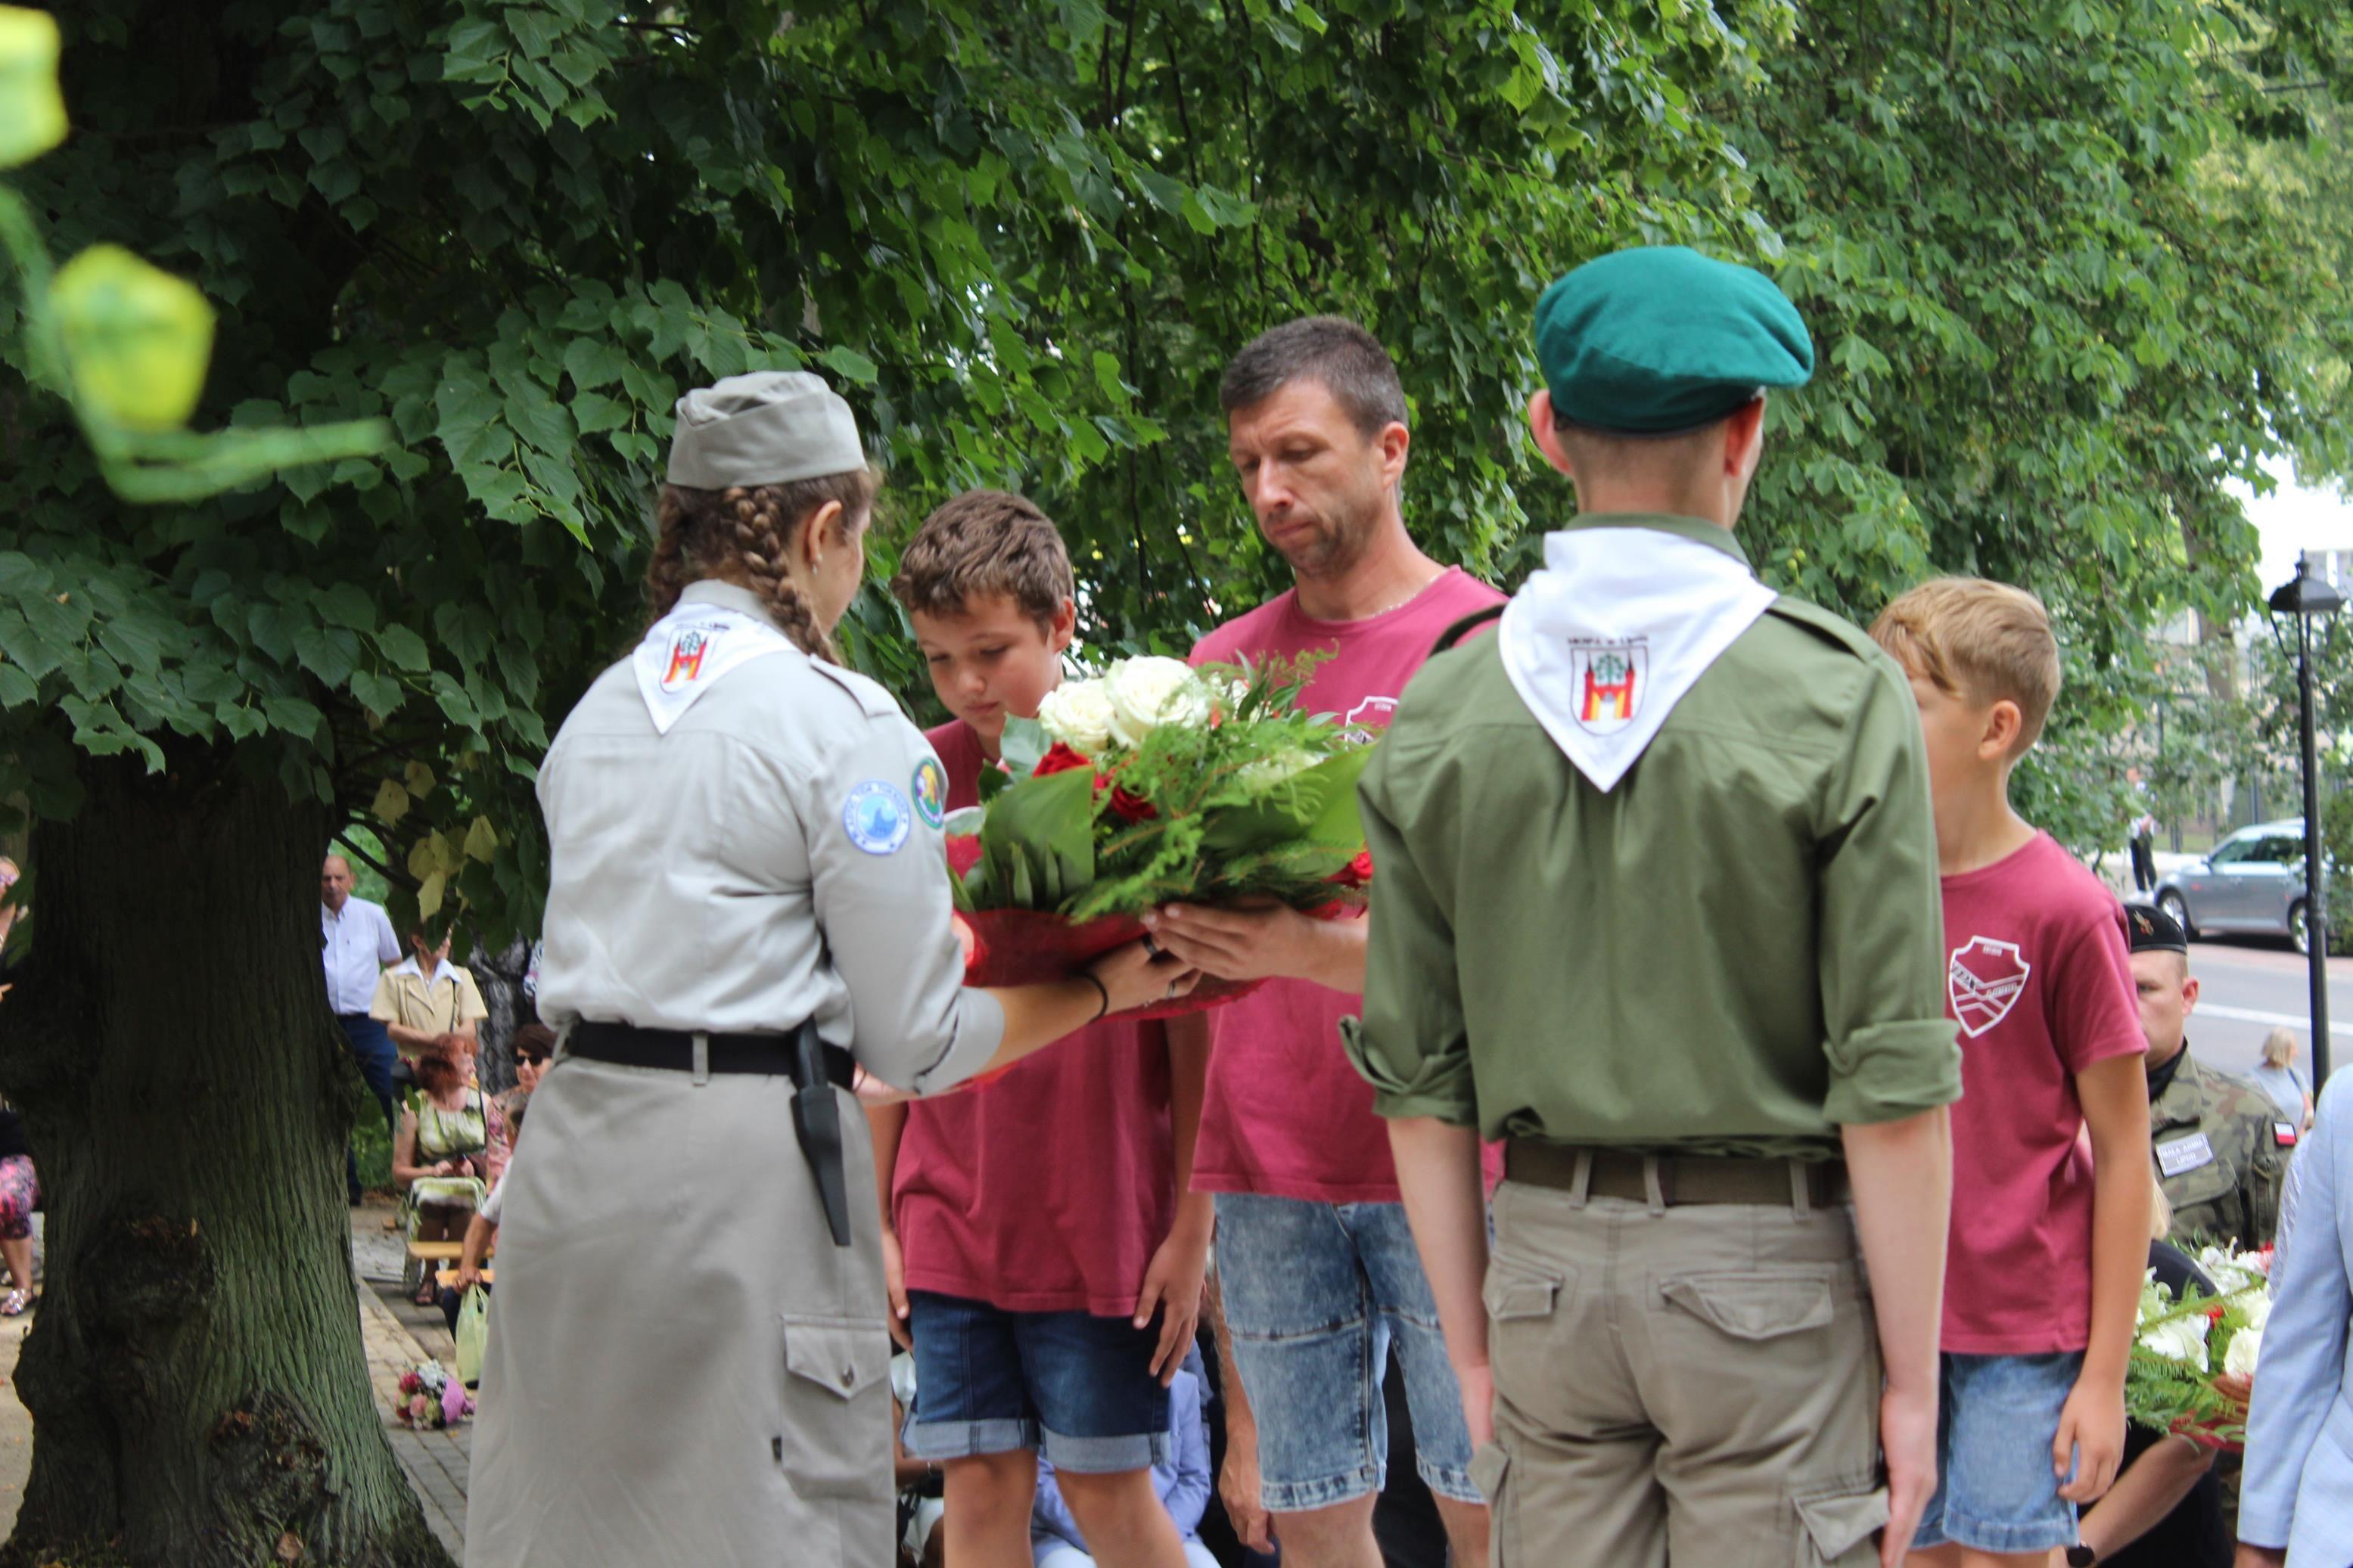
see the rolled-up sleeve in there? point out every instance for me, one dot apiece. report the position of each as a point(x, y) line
point(1411, 1043)
point(1892, 1051)
point(884, 907)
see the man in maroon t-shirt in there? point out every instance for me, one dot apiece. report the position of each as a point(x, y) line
point(1316, 1272)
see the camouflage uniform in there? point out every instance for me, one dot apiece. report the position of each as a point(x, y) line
point(2217, 1141)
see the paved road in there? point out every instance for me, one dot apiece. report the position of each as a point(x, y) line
point(2249, 988)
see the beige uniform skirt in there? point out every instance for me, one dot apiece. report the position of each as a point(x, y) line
point(682, 1367)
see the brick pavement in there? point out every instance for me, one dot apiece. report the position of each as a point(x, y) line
point(395, 1335)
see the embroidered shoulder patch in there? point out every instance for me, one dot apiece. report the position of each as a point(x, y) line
point(877, 817)
point(930, 788)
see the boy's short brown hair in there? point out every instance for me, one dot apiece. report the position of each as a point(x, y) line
point(1979, 640)
point(982, 542)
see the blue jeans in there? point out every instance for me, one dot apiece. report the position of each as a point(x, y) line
point(372, 1048)
point(1075, 1386)
point(1315, 1294)
point(1995, 1423)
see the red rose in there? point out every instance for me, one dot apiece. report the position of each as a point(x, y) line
point(1131, 807)
point(1356, 873)
point(1059, 758)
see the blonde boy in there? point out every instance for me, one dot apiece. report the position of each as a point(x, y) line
point(2047, 1244)
point(1036, 1226)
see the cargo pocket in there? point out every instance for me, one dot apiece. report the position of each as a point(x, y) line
point(1759, 1304)
point(1521, 1299)
point(835, 1436)
point(1489, 1466)
point(1516, 1291)
point(1835, 1524)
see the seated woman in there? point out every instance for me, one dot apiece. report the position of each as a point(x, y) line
point(440, 1156)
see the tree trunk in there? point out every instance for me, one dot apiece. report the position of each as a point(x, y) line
point(198, 1392)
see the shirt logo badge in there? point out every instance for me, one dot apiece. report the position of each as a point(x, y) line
point(1607, 682)
point(686, 651)
point(930, 788)
point(1983, 982)
point(877, 817)
point(1367, 719)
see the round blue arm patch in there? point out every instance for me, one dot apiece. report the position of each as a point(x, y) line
point(877, 817)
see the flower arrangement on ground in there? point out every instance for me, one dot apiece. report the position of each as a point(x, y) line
point(431, 1399)
point(1149, 784)
point(2193, 1361)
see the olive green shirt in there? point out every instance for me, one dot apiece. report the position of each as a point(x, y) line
point(1737, 950)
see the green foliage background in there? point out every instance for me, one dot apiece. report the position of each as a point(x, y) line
point(2072, 266)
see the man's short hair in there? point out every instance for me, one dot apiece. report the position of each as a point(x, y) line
point(983, 542)
point(1979, 640)
point(1346, 361)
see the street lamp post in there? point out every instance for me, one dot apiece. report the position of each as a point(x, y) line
point(2305, 596)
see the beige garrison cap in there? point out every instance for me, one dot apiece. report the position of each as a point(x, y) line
point(766, 427)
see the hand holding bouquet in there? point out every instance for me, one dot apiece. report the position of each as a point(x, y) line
point(1149, 784)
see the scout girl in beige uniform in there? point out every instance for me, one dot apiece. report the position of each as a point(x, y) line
point(746, 896)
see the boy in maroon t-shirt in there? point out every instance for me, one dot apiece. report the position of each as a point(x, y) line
point(1034, 1226)
point(2048, 1242)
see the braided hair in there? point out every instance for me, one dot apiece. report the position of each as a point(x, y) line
point(752, 527)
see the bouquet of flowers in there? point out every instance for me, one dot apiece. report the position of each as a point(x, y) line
point(2193, 1361)
point(1151, 782)
point(432, 1399)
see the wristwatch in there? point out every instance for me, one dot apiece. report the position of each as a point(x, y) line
point(2081, 1556)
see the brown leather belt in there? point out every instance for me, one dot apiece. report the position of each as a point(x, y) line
point(1723, 1178)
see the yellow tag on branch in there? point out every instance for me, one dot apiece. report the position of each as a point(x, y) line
point(32, 109)
point(138, 339)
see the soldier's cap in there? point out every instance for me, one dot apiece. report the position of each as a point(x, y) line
point(1661, 339)
point(2148, 929)
point(768, 428)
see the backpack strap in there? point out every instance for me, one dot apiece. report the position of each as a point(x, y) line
point(1465, 627)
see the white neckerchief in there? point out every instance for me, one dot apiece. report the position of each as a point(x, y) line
point(687, 652)
point(1605, 640)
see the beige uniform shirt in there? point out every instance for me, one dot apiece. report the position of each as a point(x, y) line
point(450, 1000)
point(767, 861)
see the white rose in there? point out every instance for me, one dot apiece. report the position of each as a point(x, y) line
point(2225, 1269)
point(1078, 713)
point(2255, 1306)
point(1264, 774)
point(2184, 1338)
point(2239, 1360)
point(1146, 693)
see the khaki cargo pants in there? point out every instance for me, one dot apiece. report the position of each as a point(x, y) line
point(1697, 1386)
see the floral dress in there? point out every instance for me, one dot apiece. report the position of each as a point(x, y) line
point(449, 1135)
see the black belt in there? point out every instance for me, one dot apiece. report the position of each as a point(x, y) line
point(1683, 1179)
point(816, 1068)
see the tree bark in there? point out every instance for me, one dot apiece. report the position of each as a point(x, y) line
point(198, 1391)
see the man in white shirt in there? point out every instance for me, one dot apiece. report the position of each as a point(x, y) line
point(355, 941)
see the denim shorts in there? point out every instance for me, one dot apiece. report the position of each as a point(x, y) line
point(1995, 1422)
point(1316, 1294)
point(1078, 1387)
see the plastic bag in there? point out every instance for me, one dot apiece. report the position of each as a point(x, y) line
point(473, 1333)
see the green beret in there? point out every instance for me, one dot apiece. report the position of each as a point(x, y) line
point(1661, 339)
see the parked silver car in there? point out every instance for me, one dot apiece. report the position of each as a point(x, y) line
point(2252, 882)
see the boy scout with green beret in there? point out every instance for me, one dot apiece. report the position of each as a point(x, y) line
point(1656, 903)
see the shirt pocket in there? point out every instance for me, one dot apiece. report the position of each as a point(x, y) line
point(834, 1437)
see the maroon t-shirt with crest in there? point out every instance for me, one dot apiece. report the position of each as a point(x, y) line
point(1047, 1188)
point(2036, 975)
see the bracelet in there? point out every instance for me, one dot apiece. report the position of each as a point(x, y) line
point(1101, 990)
